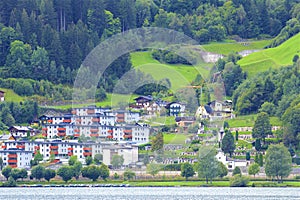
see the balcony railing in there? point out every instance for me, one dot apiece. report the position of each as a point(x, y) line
point(76, 135)
point(87, 153)
point(61, 129)
point(127, 131)
point(110, 131)
point(50, 121)
point(13, 165)
point(94, 135)
point(76, 130)
point(67, 120)
point(87, 148)
point(12, 161)
point(94, 130)
point(12, 156)
point(70, 153)
point(127, 136)
point(110, 137)
point(20, 146)
point(53, 147)
point(44, 129)
point(70, 148)
point(73, 112)
point(62, 134)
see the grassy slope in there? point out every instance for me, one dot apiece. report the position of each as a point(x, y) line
point(10, 95)
point(175, 138)
point(248, 120)
point(271, 58)
point(226, 48)
point(179, 75)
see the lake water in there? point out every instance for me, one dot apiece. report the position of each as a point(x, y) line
point(150, 193)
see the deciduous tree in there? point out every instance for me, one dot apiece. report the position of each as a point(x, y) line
point(278, 162)
point(187, 170)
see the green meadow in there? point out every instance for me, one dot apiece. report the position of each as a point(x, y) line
point(281, 55)
point(179, 75)
point(10, 95)
point(226, 48)
point(248, 120)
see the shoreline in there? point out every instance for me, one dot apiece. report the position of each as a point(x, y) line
point(261, 184)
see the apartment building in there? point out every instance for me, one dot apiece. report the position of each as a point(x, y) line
point(16, 158)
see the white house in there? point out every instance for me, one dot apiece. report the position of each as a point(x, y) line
point(16, 158)
point(129, 153)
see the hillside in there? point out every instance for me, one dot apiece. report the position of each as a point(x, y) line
point(271, 58)
point(180, 75)
point(228, 47)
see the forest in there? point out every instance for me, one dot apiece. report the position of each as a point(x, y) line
point(43, 42)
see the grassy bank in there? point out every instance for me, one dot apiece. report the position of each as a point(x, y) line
point(257, 182)
point(271, 58)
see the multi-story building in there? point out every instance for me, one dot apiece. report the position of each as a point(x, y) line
point(128, 152)
point(16, 158)
point(97, 122)
point(61, 149)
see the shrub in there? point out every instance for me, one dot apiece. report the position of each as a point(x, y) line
point(236, 171)
point(239, 181)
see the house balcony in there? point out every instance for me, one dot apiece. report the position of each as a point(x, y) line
point(36, 147)
point(70, 153)
point(70, 148)
point(95, 120)
point(13, 165)
point(67, 120)
point(127, 136)
point(4, 147)
point(110, 131)
point(61, 129)
point(76, 130)
point(53, 147)
point(54, 152)
point(110, 137)
point(76, 135)
point(12, 161)
point(78, 120)
point(90, 112)
point(61, 134)
point(12, 155)
point(20, 146)
point(50, 121)
point(87, 153)
point(73, 112)
point(44, 134)
point(44, 129)
point(94, 130)
point(87, 149)
point(94, 135)
point(127, 131)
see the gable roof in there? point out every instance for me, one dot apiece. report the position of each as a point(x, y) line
point(147, 98)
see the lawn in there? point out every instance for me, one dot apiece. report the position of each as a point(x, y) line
point(248, 120)
point(175, 138)
point(179, 183)
point(179, 75)
point(281, 55)
point(10, 95)
point(164, 120)
point(226, 48)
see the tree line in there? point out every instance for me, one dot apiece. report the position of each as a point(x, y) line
point(49, 39)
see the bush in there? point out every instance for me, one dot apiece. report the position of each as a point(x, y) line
point(236, 171)
point(239, 181)
point(10, 183)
